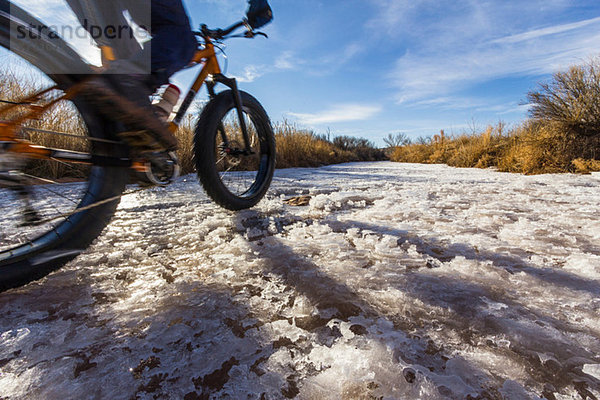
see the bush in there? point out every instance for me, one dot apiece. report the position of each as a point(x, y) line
point(303, 148)
point(295, 147)
point(533, 147)
point(546, 147)
point(396, 140)
point(571, 98)
point(363, 149)
point(563, 134)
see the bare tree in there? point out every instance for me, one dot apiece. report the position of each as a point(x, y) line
point(397, 139)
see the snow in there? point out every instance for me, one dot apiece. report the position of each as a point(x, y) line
point(47, 200)
point(397, 281)
point(592, 369)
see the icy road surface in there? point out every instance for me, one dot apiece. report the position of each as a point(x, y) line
point(396, 282)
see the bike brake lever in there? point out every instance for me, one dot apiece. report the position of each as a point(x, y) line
point(212, 33)
point(251, 34)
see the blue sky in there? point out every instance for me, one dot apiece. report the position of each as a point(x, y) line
point(372, 67)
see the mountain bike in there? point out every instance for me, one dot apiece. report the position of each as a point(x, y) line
point(64, 168)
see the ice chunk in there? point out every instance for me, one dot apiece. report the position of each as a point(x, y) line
point(592, 369)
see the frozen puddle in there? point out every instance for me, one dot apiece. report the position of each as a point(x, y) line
point(397, 281)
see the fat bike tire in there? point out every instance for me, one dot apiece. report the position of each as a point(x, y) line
point(51, 245)
point(68, 238)
point(233, 180)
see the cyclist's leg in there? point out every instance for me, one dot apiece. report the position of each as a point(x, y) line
point(173, 43)
point(136, 77)
point(123, 91)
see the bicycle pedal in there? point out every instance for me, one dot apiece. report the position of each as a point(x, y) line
point(162, 169)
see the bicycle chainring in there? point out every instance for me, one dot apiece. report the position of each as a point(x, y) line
point(162, 168)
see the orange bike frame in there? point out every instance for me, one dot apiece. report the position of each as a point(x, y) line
point(211, 67)
point(9, 129)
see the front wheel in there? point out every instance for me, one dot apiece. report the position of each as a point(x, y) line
point(233, 177)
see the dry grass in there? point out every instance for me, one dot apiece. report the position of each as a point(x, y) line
point(302, 148)
point(563, 134)
point(546, 147)
point(185, 138)
point(585, 166)
point(532, 148)
point(295, 147)
point(62, 117)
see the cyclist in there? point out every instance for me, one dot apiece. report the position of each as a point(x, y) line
point(123, 92)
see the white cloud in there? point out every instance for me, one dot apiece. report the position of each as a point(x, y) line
point(516, 109)
point(343, 55)
point(251, 73)
point(286, 61)
point(339, 113)
point(552, 30)
point(447, 57)
point(394, 15)
point(336, 60)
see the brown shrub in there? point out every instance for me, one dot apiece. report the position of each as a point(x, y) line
point(571, 99)
point(532, 148)
point(295, 147)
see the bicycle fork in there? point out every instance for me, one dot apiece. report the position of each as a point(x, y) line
point(237, 100)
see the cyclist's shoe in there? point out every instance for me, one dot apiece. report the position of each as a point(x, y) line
point(126, 98)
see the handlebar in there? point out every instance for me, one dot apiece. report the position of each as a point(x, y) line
point(219, 34)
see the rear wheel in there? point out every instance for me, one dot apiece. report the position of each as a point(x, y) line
point(52, 211)
point(234, 178)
